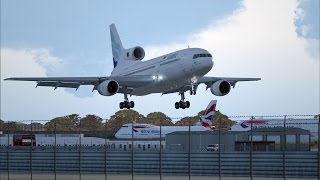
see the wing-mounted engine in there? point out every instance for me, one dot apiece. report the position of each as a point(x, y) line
point(108, 88)
point(136, 53)
point(220, 88)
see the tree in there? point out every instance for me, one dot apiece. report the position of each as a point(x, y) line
point(158, 118)
point(123, 117)
point(91, 123)
point(187, 121)
point(64, 123)
point(222, 120)
point(8, 126)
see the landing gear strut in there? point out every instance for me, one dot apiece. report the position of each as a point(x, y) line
point(126, 104)
point(182, 104)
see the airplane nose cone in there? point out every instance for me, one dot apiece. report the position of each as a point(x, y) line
point(206, 64)
point(210, 63)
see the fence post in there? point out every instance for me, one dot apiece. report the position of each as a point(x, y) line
point(189, 157)
point(251, 148)
point(318, 146)
point(80, 149)
point(284, 147)
point(31, 147)
point(132, 148)
point(219, 148)
point(55, 150)
point(105, 150)
point(8, 149)
point(160, 155)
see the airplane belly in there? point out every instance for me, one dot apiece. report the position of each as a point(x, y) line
point(158, 88)
point(170, 76)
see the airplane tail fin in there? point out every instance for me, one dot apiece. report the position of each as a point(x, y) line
point(117, 48)
point(206, 118)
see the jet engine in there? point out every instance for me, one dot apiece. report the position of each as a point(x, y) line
point(136, 53)
point(220, 88)
point(108, 88)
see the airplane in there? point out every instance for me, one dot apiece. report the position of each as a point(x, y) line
point(149, 131)
point(176, 72)
point(261, 122)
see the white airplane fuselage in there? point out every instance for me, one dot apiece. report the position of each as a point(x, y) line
point(149, 131)
point(170, 71)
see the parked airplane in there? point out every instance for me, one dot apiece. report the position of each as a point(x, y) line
point(176, 72)
point(256, 123)
point(149, 131)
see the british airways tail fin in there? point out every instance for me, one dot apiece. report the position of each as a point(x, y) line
point(206, 118)
point(117, 48)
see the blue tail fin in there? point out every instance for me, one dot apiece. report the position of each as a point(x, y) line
point(117, 48)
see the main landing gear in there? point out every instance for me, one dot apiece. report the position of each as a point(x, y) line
point(126, 104)
point(182, 104)
point(185, 104)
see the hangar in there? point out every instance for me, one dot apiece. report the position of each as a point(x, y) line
point(263, 139)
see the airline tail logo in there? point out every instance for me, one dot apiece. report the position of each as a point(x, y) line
point(137, 127)
point(206, 118)
point(246, 124)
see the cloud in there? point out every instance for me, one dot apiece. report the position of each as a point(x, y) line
point(257, 40)
point(253, 42)
point(21, 101)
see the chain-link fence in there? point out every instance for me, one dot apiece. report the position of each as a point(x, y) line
point(90, 148)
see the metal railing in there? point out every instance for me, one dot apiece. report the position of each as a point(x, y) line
point(280, 151)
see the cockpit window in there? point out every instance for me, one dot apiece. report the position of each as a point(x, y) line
point(201, 55)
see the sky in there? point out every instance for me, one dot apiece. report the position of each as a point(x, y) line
point(277, 41)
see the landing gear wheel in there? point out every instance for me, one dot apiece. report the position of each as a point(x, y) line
point(131, 104)
point(121, 105)
point(181, 104)
point(126, 104)
point(187, 104)
point(176, 105)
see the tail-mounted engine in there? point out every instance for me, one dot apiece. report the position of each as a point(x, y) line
point(136, 53)
point(108, 88)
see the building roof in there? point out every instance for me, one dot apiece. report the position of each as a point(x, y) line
point(257, 130)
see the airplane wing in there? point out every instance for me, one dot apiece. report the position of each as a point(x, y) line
point(208, 81)
point(76, 82)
